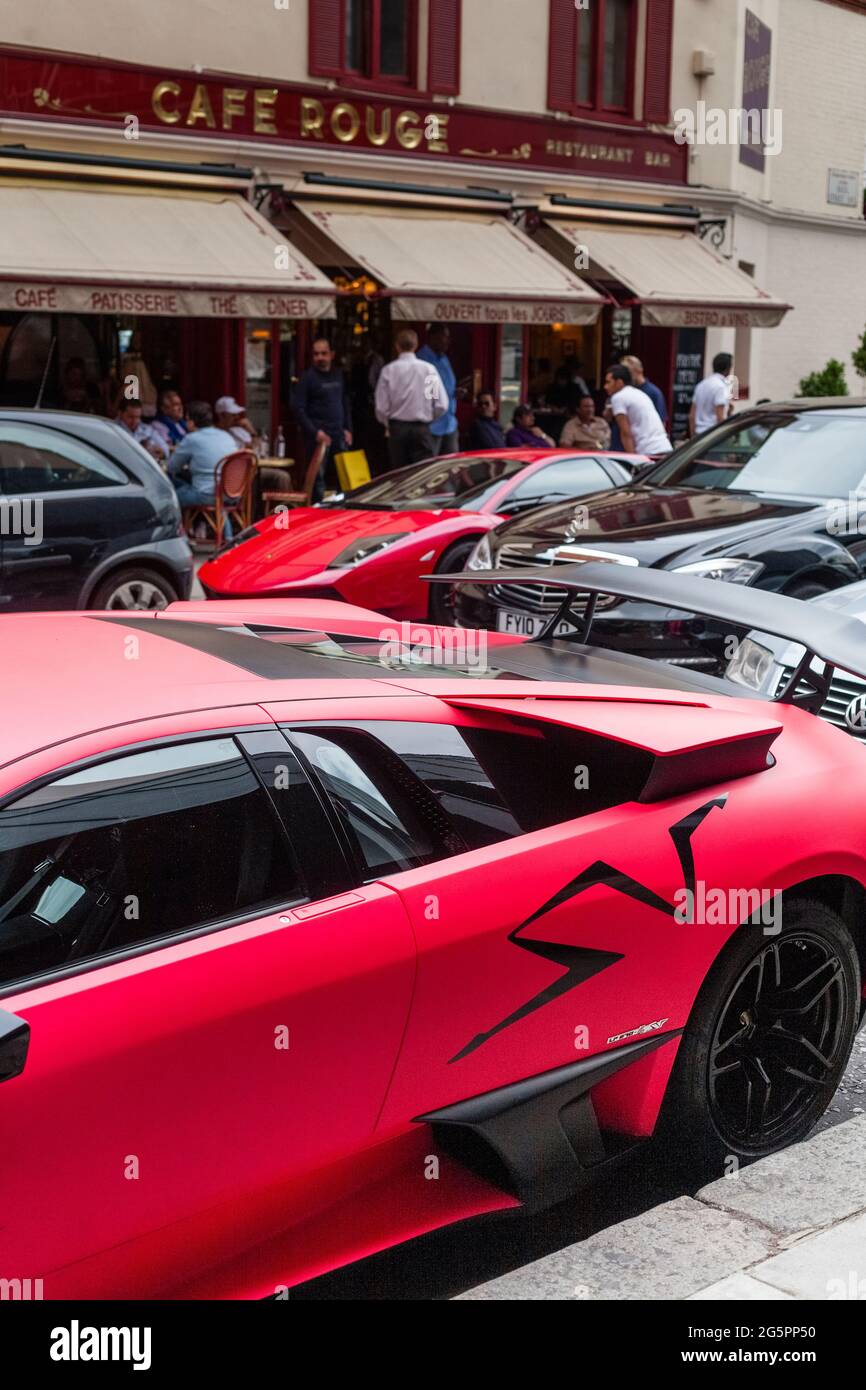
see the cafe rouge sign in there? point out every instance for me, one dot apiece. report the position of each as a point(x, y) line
point(132, 98)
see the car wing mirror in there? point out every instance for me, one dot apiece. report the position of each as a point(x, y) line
point(14, 1042)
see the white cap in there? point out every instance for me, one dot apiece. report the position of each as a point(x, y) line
point(227, 405)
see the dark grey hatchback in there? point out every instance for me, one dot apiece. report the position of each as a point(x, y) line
point(87, 517)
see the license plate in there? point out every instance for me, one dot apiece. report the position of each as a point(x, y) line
point(527, 624)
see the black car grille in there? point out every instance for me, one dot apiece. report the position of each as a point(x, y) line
point(843, 689)
point(537, 598)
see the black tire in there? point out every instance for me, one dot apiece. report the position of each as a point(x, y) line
point(808, 589)
point(452, 562)
point(136, 589)
point(736, 1061)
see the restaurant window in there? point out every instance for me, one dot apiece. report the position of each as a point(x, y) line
point(42, 356)
point(592, 56)
point(615, 54)
point(370, 40)
point(258, 373)
point(511, 370)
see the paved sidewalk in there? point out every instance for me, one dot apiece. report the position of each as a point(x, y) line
point(789, 1227)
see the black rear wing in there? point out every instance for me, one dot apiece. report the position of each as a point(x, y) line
point(828, 636)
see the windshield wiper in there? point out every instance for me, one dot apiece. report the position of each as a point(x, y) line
point(365, 506)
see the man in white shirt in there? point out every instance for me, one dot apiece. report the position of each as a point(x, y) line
point(712, 399)
point(410, 395)
point(640, 425)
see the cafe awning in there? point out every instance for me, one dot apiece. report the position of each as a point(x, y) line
point(114, 249)
point(448, 266)
point(677, 280)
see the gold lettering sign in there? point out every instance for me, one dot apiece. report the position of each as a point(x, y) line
point(383, 135)
point(234, 104)
point(200, 108)
point(264, 104)
point(163, 113)
point(312, 118)
point(407, 130)
point(340, 112)
point(439, 144)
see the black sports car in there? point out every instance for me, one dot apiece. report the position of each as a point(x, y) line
point(770, 498)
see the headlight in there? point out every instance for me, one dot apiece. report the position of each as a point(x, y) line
point(750, 665)
point(482, 556)
point(731, 571)
point(363, 548)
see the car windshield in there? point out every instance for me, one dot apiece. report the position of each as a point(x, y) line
point(464, 483)
point(813, 454)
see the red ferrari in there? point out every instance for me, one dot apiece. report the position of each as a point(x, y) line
point(373, 545)
point(312, 941)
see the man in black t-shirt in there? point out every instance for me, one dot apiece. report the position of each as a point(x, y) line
point(322, 406)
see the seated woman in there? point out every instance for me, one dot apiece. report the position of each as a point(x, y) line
point(525, 434)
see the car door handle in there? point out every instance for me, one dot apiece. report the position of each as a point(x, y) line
point(14, 1042)
point(329, 905)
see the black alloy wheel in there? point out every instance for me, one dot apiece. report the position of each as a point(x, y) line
point(442, 595)
point(776, 1046)
point(767, 1041)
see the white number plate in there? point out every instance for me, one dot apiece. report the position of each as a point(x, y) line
point(527, 624)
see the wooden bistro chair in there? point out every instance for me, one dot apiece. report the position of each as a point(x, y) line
point(234, 477)
point(272, 500)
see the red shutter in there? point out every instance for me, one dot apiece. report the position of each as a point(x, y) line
point(327, 23)
point(443, 47)
point(659, 43)
point(562, 55)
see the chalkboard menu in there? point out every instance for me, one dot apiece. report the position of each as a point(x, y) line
point(688, 371)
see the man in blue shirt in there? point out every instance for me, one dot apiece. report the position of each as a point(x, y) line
point(193, 463)
point(322, 407)
point(638, 376)
point(446, 438)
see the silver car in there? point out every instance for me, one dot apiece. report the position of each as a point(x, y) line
point(764, 664)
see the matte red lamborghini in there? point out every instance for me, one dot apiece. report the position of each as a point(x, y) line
point(312, 941)
point(373, 546)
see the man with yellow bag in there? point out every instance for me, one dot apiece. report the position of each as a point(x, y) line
point(323, 410)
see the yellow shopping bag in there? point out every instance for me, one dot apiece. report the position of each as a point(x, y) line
point(352, 469)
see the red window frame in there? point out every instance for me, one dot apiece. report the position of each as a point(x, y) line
point(591, 22)
point(372, 78)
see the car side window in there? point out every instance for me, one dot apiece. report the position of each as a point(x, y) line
point(390, 820)
point(566, 477)
point(440, 757)
point(495, 781)
point(34, 459)
point(134, 849)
